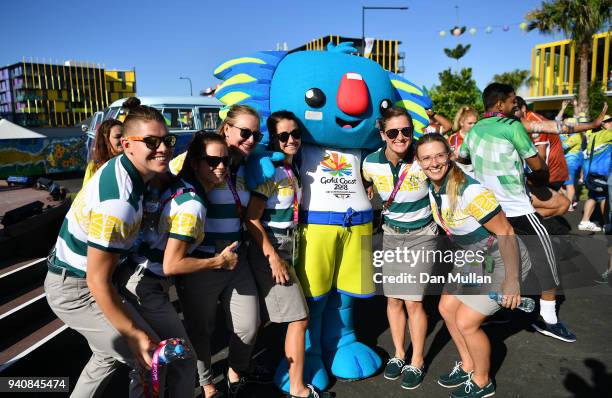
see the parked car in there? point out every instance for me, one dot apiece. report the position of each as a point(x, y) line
point(184, 116)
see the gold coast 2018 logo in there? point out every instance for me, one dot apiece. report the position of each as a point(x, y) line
point(336, 165)
point(339, 175)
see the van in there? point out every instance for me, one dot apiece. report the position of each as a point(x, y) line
point(183, 115)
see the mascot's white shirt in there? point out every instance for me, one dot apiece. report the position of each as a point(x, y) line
point(331, 180)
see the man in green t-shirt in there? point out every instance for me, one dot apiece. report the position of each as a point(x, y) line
point(499, 148)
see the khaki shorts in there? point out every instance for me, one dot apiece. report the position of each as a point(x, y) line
point(477, 297)
point(285, 303)
point(417, 242)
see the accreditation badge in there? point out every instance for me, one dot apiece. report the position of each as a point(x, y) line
point(472, 273)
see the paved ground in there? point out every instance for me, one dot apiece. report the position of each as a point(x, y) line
point(525, 363)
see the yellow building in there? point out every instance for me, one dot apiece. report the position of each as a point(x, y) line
point(384, 52)
point(555, 70)
point(49, 95)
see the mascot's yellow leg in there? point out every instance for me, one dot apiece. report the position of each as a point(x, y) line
point(333, 256)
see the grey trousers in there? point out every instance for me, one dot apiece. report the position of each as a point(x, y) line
point(72, 302)
point(199, 293)
point(149, 296)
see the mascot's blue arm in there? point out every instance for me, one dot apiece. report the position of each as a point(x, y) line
point(260, 167)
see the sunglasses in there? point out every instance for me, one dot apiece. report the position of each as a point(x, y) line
point(284, 136)
point(247, 133)
point(153, 142)
point(214, 161)
point(406, 132)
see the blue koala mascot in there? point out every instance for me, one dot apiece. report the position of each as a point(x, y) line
point(338, 98)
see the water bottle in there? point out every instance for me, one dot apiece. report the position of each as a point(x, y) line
point(172, 351)
point(527, 304)
point(151, 210)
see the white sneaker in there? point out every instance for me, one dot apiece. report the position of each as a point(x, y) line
point(588, 226)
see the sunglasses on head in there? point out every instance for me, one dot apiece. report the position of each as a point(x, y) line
point(406, 132)
point(214, 161)
point(284, 136)
point(153, 142)
point(247, 133)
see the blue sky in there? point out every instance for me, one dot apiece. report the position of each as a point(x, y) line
point(167, 39)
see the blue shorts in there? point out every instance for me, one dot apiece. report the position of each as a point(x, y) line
point(574, 164)
point(598, 196)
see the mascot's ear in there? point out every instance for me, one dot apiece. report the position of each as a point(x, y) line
point(246, 81)
point(260, 65)
point(343, 48)
point(414, 100)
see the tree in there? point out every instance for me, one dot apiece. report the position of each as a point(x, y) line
point(579, 20)
point(516, 78)
point(455, 90)
point(596, 100)
point(457, 52)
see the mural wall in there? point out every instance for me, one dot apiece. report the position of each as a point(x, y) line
point(36, 156)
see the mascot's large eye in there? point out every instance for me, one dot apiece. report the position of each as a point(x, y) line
point(385, 105)
point(314, 97)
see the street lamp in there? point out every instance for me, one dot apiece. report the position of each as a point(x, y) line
point(190, 86)
point(363, 8)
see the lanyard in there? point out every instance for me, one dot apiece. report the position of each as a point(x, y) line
point(155, 367)
point(232, 188)
point(493, 114)
point(174, 195)
point(294, 185)
point(442, 223)
point(396, 188)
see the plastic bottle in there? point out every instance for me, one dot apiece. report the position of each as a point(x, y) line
point(172, 351)
point(527, 304)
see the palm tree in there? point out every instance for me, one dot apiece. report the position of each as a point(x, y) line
point(516, 78)
point(457, 52)
point(579, 20)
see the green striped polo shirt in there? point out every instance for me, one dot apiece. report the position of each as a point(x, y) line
point(182, 217)
point(279, 192)
point(475, 206)
point(410, 207)
point(106, 214)
point(223, 224)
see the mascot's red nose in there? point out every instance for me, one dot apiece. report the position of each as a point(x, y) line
point(352, 95)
